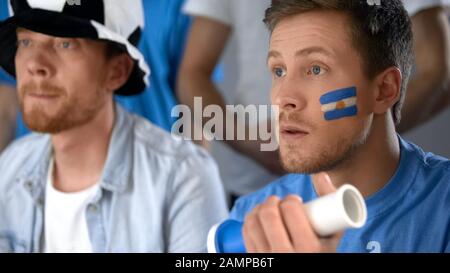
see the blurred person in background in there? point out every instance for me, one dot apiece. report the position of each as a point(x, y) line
point(426, 115)
point(231, 33)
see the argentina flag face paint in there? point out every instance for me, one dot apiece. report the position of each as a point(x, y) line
point(339, 104)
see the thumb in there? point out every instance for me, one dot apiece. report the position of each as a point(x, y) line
point(323, 184)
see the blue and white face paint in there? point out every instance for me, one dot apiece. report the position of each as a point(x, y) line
point(339, 104)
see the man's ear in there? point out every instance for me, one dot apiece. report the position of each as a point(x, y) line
point(120, 70)
point(388, 92)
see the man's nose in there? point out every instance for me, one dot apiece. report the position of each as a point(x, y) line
point(39, 65)
point(288, 97)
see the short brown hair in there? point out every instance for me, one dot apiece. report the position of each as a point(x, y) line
point(381, 33)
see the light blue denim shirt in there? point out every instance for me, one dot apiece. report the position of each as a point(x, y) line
point(158, 193)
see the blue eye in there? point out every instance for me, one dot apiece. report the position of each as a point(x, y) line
point(66, 45)
point(24, 43)
point(316, 70)
point(279, 72)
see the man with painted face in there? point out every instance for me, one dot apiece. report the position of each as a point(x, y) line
point(340, 70)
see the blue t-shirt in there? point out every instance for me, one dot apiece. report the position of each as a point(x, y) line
point(411, 213)
point(162, 44)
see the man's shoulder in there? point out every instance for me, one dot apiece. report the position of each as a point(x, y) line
point(25, 146)
point(157, 141)
point(432, 172)
point(431, 164)
point(437, 173)
point(298, 184)
point(21, 155)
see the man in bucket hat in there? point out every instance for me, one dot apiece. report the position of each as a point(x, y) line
point(94, 178)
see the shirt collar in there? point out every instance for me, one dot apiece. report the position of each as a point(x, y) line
point(116, 172)
point(398, 185)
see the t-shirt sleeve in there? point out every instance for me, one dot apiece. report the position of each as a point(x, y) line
point(238, 211)
point(414, 6)
point(219, 10)
point(245, 204)
point(281, 187)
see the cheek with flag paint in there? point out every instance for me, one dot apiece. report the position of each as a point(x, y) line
point(339, 104)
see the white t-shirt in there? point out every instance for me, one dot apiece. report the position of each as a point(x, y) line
point(414, 6)
point(247, 80)
point(65, 225)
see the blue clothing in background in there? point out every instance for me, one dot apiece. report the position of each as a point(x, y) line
point(5, 78)
point(162, 45)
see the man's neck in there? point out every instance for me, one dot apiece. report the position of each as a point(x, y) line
point(80, 153)
point(374, 163)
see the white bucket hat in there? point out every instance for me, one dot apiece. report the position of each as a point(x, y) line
point(117, 21)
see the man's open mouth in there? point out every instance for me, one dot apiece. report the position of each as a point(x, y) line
point(292, 131)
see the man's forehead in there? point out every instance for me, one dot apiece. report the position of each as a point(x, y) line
point(310, 25)
point(21, 30)
point(24, 31)
point(306, 34)
point(305, 52)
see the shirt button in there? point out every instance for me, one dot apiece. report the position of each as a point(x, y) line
point(29, 185)
point(93, 208)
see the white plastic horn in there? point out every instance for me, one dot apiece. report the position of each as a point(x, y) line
point(337, 211)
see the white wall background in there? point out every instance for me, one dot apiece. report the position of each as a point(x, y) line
point(433, 136)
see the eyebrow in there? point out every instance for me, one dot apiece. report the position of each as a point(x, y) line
point(302, 52)
point(273, 54)
point(20, 30)
point(313, 50)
